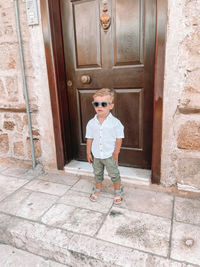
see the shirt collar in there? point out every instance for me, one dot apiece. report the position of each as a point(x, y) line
point(110, 116)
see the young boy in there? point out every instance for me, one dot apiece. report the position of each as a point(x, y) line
point(104, 135)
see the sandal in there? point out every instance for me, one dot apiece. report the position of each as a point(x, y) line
point(118, 199)
point(93, 196)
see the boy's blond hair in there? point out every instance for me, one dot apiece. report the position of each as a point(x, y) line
point(104, 92)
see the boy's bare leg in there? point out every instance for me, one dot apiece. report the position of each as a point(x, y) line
point(99, 186)
point(117, 186)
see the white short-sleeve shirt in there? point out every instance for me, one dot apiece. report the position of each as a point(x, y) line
point(104, 135)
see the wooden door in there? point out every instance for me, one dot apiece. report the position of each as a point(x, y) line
point(122, 58)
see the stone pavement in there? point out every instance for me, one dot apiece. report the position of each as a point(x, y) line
point(47, 219)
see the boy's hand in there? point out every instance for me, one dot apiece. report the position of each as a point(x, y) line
point(89, 158)
point(115, 156)
point(117, 149)
point(88, 149)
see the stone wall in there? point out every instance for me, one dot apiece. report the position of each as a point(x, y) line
point(181, 114)
point(14, 136)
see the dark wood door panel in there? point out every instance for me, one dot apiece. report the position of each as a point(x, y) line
point(87, 33)
point(86, 110)
point(117, 77)
point(128, 32)
point(129, 110)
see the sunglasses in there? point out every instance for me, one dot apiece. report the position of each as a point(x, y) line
point(103, 104)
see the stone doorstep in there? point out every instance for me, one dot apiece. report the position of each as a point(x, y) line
point(187, 188)
point(128, 175)
point(12, 257)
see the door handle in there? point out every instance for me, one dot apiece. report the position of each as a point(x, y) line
point(85, 79)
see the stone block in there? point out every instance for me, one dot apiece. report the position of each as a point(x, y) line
point(9, 56)
point(47, 187)
point(2, 90)
point(12, 88)
point(59, 178)
point(189, 136)
point(9, 125)
point(19, 122)
point(8, 185)
point(36, 132)
point(74, 219)
point(7, 116)
point(148, 202)
point(37, 147)
point(4, 143)
point(187, 210)
point(137, 230)
point(36, 238)
point(12, 257)
point(188, 170)
point(191, 47)
point(193, 78)
point(8, 33)
point(18, 149)
point(16, 171)
point(28, 204)
point(192, 11)
point(80, 199)
point(186, 243)
point(192, 43)
point(33, 118)
point(190, 102)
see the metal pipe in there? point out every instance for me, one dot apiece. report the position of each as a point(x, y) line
point(24, 83)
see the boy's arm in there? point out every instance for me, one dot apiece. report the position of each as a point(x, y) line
point(118, 145)
point(89, 145)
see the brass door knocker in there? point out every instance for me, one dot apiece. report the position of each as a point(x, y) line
point(105, 17)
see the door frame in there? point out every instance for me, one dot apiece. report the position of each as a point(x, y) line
point(54, 52)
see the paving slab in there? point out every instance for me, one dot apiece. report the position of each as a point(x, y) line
point(186, 243)
point(81, 199)
point(47, 187)
point(137, 230)
point(36, 238)
point(33, 173)
point(107, 252)
point(27, 204)
point(13, 257)
point(187, 210)
point(3, 168)
point(153, 261)
point(59, 178)
point(83, 186)
point(86, 186)
point(8, 185)
point(16, 172)
point(117, 255)
point(73, 219)
point(155, 203)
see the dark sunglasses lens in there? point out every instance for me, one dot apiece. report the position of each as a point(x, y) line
point(104, 104)
point(95, 104)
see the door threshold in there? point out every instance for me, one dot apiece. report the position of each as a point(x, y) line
point(128, 174)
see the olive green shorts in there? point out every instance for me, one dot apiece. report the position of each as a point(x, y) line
point(111, 167)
